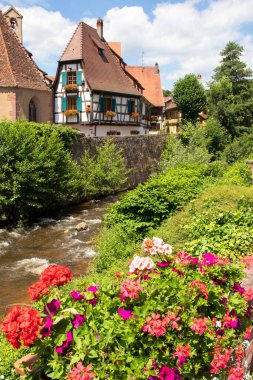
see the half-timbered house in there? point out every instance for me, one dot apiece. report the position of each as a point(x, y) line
point(93, 93)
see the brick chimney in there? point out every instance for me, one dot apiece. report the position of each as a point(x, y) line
point(100, 27)
point(157, 68)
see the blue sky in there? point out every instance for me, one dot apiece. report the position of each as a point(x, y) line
point(182, 36)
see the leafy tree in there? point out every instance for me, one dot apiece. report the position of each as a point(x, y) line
point(230, 96)
point(166, 92)
point(190, 97)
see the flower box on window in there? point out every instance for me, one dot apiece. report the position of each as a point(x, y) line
point(71, 88)
point(110, 114)
point(134, 115)
point(71, 112)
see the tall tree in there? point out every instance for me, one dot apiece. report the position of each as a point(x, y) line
point(230, 96)
point(190, 97)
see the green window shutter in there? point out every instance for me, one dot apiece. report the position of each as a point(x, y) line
point(113, 105)
point(64, 104)
point(129, 106)
point(102, 104)
point(64, 78)
point(79, 103)
point(79, 78)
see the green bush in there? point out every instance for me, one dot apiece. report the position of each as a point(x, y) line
point(105, 172)
point(220, 220)
point(237, 174)
point(151, 203)
point(36, 170)
point(240, 149)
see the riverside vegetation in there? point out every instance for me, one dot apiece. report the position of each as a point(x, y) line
point(37, 172)
point(146, 324)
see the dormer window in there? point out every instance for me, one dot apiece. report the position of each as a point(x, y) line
point(71, 77)
point(13, 22)
point(100, 51)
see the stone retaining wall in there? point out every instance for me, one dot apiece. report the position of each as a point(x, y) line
point(141, 153)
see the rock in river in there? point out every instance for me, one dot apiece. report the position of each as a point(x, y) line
point(82, 226)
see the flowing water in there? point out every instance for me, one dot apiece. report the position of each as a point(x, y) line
point(24, 254)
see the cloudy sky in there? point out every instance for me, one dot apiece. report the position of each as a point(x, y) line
point(182, 36)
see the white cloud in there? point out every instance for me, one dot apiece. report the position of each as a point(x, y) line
point(182, 33)
point(183, 37)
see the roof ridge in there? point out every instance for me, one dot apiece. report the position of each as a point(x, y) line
point(6, 51)
point(72, 35)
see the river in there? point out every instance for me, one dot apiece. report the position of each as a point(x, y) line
point(25, 253)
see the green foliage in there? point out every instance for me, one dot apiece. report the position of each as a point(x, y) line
point(240, 148)
point(230, 97)
point(166, 92)
point(216, 137)
point(36, 170)
point(219, 220)
point(104, 173)
point(8, 355)
point(149, 204)
point(190, 97)
point(176, 154)
point(237, 174)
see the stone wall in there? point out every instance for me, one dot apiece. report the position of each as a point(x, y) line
point(141, 153)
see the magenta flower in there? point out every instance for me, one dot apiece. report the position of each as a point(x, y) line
point(52, 307)
point(92, 289)
point(163, 264)
point(46, 330)
point(78, 320)
point(76, 296)
point(167, 373)
point(66, 343)
point(238, 288)
point(126, 314)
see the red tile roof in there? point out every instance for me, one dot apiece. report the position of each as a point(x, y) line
point(116, 46)
point(150, 79)
point(17, 69)
point(103, 72)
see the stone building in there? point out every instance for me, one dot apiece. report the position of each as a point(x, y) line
point(24, 90)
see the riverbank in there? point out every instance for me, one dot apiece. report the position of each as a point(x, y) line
point(26, 252)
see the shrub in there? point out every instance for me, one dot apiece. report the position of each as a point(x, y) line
point(36, 170)
point(172, 314)
point(8, 355)
point(151, 203)
point(237, 174)
point(105, 173)
point(220, 220)
point(240, 149)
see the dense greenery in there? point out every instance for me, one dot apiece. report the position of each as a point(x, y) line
point(230, 97)
point(190, 97)
point(37, 172)
point(103, 173)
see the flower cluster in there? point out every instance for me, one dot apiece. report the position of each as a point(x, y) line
point(162, 320)
point(140, 264)
point(81, 373)
point(55, 275)
point(156, 246)
point(22, 324)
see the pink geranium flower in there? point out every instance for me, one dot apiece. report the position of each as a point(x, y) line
point(199, 325)
point(130, 289)
point(155, 325)
point(182, 353)
point(81, 373)
point(248, 294)
point(140, 264)
point(236, 373)
point(202, 287)
point(220, 359)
